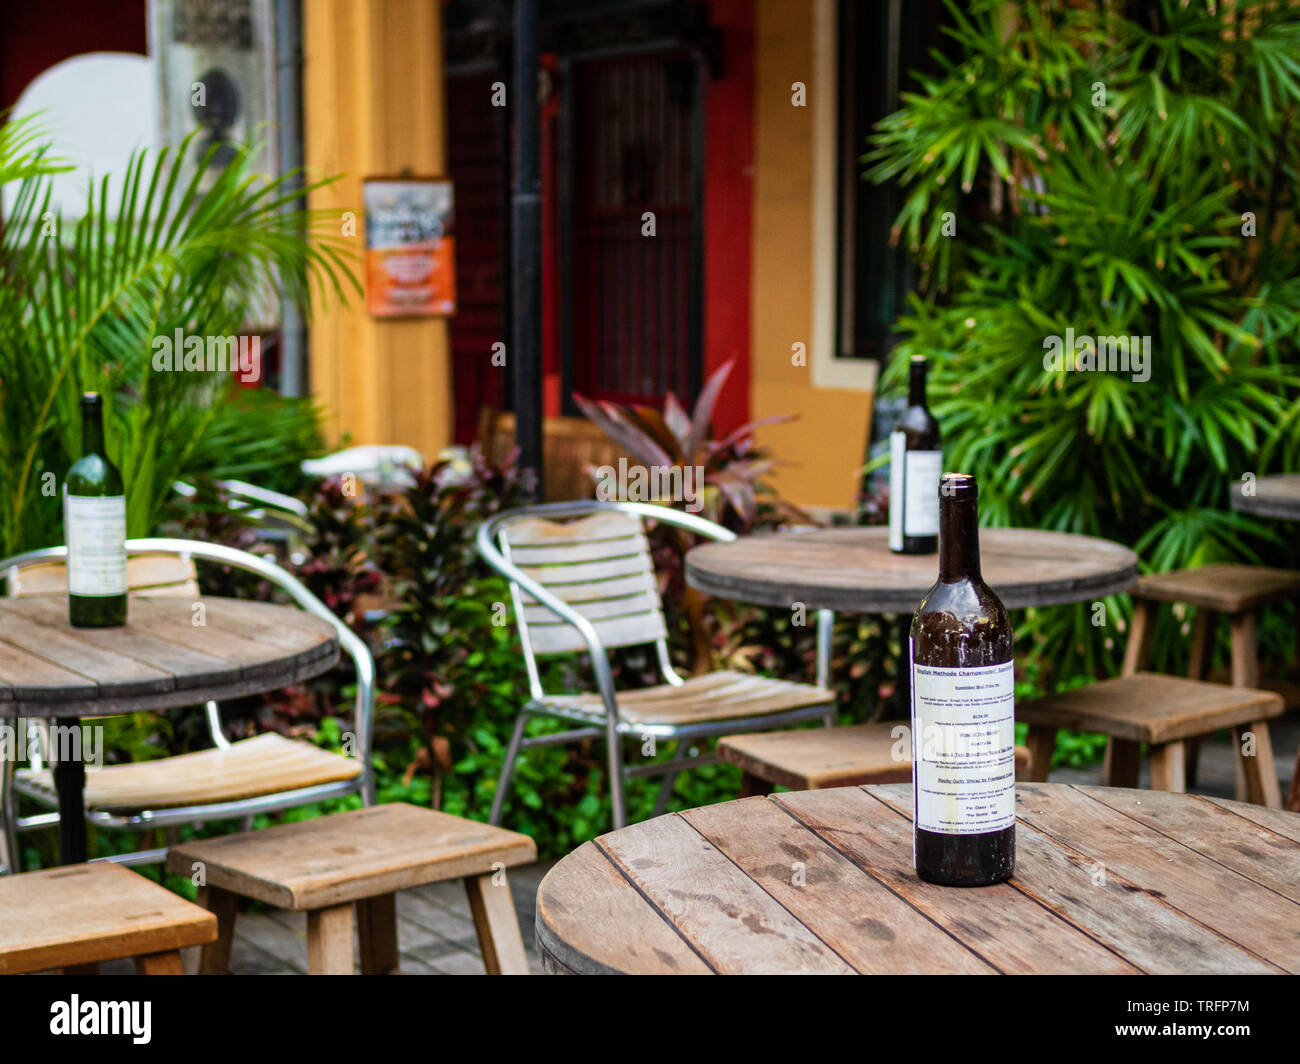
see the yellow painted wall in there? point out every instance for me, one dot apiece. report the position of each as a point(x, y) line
point(373, 105)
point(824, 448)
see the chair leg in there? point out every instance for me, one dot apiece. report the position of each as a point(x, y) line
point(214, 957)
point(1123, 763)
point(751, 785)
point(1198, 667)
point(331, 935)
point(497, 925)
point(507, 770)
point(1042, 745)
point(1258, 770)
point(1139, 636)
point(666, 788)
point(617, 780)
point(11, 861)
point(166, 963)
point(377, 934)
point(1169, 767)
point(1245, 659)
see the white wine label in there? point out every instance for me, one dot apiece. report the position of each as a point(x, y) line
point(897, 451)
point(963, 748)
point(921, 506)
point(96, 532)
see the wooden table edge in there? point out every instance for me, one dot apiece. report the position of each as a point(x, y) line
point(270, 677)
point(887, 601)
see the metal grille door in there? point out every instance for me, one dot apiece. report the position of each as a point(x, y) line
point(635, 159)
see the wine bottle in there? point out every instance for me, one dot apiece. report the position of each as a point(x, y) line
point(963, 710)
point(94, 524)
point(914, 465)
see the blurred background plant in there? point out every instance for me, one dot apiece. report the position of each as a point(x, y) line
point(1072, 169)
point(82, 303)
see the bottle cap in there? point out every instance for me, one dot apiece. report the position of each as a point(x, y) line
point(90, 399)
point(958, 486)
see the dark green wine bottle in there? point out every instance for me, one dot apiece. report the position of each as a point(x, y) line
point(94, 526)
point(916, 460)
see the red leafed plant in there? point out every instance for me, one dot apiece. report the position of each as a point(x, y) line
point(733, 491)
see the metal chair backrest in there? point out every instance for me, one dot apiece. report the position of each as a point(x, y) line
point(601, 566)
point(170, 575)
point(585, 584)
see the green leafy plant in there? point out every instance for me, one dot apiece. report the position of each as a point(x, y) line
point(733, 491)
point(81, 305)
point(1072, 169)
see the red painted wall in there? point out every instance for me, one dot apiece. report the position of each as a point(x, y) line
point(728, 209)
point(34, 36)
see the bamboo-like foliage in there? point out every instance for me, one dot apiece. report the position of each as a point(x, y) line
point(82, 302)
point(1100, 172)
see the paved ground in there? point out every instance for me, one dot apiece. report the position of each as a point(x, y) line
point(436, 933)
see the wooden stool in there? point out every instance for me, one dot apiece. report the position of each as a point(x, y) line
point(75, 916)
point(1165, 712)
point(343, 871)
point(1240, 592)
point(812, 758)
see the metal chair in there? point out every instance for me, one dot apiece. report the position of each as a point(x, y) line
point(589, 585)
point(42, 571)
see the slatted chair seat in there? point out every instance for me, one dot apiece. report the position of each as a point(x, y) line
point(75, 916)
point(716, 696)
point(1225, 588)
point(264, 764)
point(1166, 712)
point(814, 758)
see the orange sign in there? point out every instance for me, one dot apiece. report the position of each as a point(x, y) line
point(410, 247)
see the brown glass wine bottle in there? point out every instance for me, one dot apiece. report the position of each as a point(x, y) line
point(914, 466)
point(963, 710)
point(94, 527)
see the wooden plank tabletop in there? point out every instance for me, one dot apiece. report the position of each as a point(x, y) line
point(162, 658)
point(1276, 496)
point(1107, 880)
point(853, 570)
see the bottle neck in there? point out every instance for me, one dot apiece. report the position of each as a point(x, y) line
point(959, 540)
point(92, 431)
point(916, 385)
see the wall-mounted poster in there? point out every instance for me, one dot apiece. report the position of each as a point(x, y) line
point(410, 261)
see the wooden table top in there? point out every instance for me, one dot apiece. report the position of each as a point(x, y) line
point(1277, 496)
point(1108, 880)
point(854, 571)
point(161, 658)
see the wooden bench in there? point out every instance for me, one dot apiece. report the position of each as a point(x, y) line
point(811, 759)
point(1165, 712)
point(343, 871)
point(75, 916)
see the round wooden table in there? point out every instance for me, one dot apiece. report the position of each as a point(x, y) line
point(853, 570)
point(172, 652)
point(1107, 880)
point(1277, 496)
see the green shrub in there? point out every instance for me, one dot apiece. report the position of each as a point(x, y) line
point(1103, 175)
